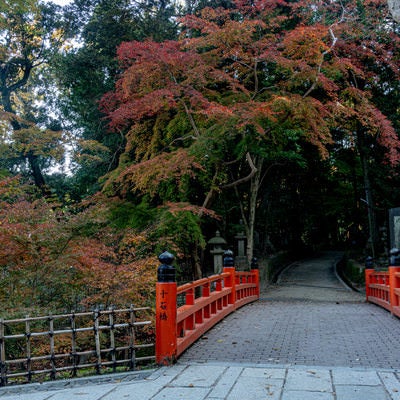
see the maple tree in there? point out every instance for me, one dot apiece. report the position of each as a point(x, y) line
point(281, 114)
point(57, 259)
point(85, 72)
point(246, 89)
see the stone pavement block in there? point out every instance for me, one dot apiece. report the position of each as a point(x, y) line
point(199, 376)
point(225, 383)
point(27, 396)
point(165, 375)
point(268, 373)
point(256, 388)
point(354, 392)
point(167, 371)
point(185, 393)
point(83, 393)
point(302, 395)
point(349, 377)
point(133, 391)
point(392, 384)
point(317, 380)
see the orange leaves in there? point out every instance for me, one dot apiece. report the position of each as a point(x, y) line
point(145, 106)
point(308, 114)
point(219, 111)
point(225, 38)
point(355, 111)
point(388, 138)
point(147, 176)
point(302, 56)
point(158, 77)
point(204, 24)
point(175, 208)
point(54, 258)
point(143, 52)
point(39, 142)
point(114, 274)
point(10, 188)
point(306, 43)
point(157, 66)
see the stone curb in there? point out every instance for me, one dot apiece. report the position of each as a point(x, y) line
point(76, 382)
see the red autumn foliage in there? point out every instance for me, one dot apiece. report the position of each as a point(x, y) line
point(58, 259)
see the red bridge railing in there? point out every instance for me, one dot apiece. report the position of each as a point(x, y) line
point(184, 313)
point(383, 288)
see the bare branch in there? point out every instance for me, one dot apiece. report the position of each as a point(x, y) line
point(334, 40)
point(246, 178)
point(183, 138)
point(191, 119)
point(187, 111)
point(210, 194)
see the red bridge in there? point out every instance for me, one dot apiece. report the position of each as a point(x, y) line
point(205, 302)
point(306, 337)
point(310, 317)
point(383, 288)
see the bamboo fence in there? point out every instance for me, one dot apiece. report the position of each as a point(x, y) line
point(55, 345)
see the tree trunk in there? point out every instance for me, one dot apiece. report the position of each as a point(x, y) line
point(373, 229)
point(197, 270)
point(33, 159)
point(37, 172)
point(250, 218)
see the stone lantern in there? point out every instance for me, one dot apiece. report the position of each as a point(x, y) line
point(217, 243)
point(241, 239)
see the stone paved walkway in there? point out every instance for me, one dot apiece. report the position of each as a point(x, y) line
point(222, 381)
point(308, 318)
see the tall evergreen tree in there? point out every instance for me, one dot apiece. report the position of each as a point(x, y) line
point(31, 34)
point(87, 71)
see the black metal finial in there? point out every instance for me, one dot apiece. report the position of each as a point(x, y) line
point(254, 263)
point(166, 272)
point(369, 264)
point(228, 258)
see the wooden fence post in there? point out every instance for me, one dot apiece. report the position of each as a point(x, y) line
point(166, 312)
point(3, 366)
point(132, 338)
point(28, 348)
point(96, 331)
point(229, 267)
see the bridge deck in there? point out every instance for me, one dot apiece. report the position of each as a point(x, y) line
point(308, 318)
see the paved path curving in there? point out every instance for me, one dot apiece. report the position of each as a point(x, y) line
point(308, 318)
point(308, 338)
point(312, 280)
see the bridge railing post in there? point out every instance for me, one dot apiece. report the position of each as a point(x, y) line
point(369, 270)
point(256, 275)
point(166, 311)
point(368, 274)
point(230, 281)
point(394, 283)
